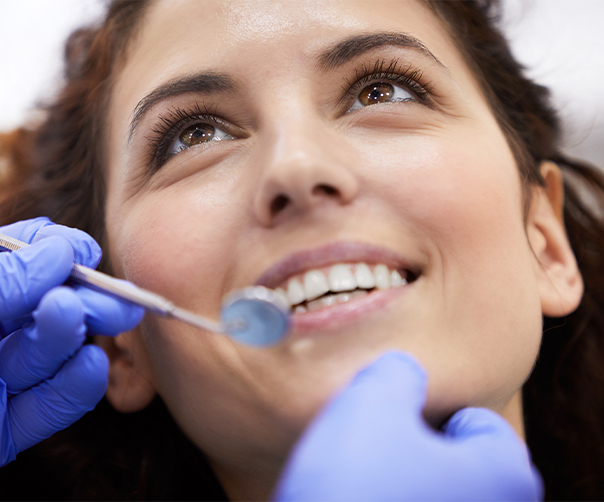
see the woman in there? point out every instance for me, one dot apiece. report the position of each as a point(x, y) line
point(297, 146)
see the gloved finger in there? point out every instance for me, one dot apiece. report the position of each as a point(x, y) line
point(55, 404)
point(28, 273)
point(10, 325)
point(36, 352)
point(106, 315)
point(474, 422)
point(26, 230)
point(86, 250)
point(488, 437)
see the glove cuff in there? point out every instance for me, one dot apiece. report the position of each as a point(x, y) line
point(7, 446)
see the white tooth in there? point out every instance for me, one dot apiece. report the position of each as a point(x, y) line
point(396, 280)
point(341, 279)
point(299, 309)
point(359, 293)
point(295, 292)
point(280, 292)
point(314, 305)
point(328, 300)
point(382, 277)
point(315, 284)
point(364, 277)
point(343, 297)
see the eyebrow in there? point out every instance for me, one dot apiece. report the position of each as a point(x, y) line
point(332, 58)
point(199, 83)
point(346, 50)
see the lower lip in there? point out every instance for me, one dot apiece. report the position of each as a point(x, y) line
point(345, 313)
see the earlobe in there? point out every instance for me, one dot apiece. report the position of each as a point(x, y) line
point(559, 278)
point(131, 387)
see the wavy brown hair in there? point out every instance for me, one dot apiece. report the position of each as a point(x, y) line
point(57, 169)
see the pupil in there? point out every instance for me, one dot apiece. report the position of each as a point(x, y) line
point(199, 133)
point(376, 93)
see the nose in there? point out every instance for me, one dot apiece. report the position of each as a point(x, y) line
point(303, 169)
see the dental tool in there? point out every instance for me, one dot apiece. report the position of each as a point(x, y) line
point(253, 315)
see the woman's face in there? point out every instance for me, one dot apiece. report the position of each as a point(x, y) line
point(255, 141)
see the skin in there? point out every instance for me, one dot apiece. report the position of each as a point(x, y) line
point(436, 184)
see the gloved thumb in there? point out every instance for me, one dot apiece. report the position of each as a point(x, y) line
point(357, 431)
point(387, 395)
point(395, 383)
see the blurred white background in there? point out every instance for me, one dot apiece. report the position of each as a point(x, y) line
point(560, 41)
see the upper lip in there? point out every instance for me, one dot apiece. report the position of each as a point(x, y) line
point(322, 256)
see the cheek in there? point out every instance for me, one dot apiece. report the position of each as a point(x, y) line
point(455, 189)
point(175, 241)
point(464, 204)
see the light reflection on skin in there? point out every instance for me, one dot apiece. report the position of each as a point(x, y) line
point(437, 185)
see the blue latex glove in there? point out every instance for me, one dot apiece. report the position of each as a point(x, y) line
point(371, 443)
point(48, 379)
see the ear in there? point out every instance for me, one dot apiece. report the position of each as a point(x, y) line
point(559, 278)
point(131, 385)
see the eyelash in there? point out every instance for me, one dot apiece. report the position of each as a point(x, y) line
point(172, 123)
point(405, 76)
point(164, 133)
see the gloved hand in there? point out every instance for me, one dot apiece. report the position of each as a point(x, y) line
point(371, 443)
point(48, 379)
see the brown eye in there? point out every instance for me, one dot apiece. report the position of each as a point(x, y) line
point(196, 134)
point(381, 92)
point(376, 93)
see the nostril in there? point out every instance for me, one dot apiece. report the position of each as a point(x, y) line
point(279, 204)
point(324, 189)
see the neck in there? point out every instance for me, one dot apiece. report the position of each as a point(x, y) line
point(249, 480)
point(513, 414)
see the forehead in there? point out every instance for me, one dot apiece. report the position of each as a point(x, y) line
point(179, 36)
point(246, 25)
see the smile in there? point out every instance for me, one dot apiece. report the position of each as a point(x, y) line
point(340, 283)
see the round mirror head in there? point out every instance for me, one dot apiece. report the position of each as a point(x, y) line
point(255, 316)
